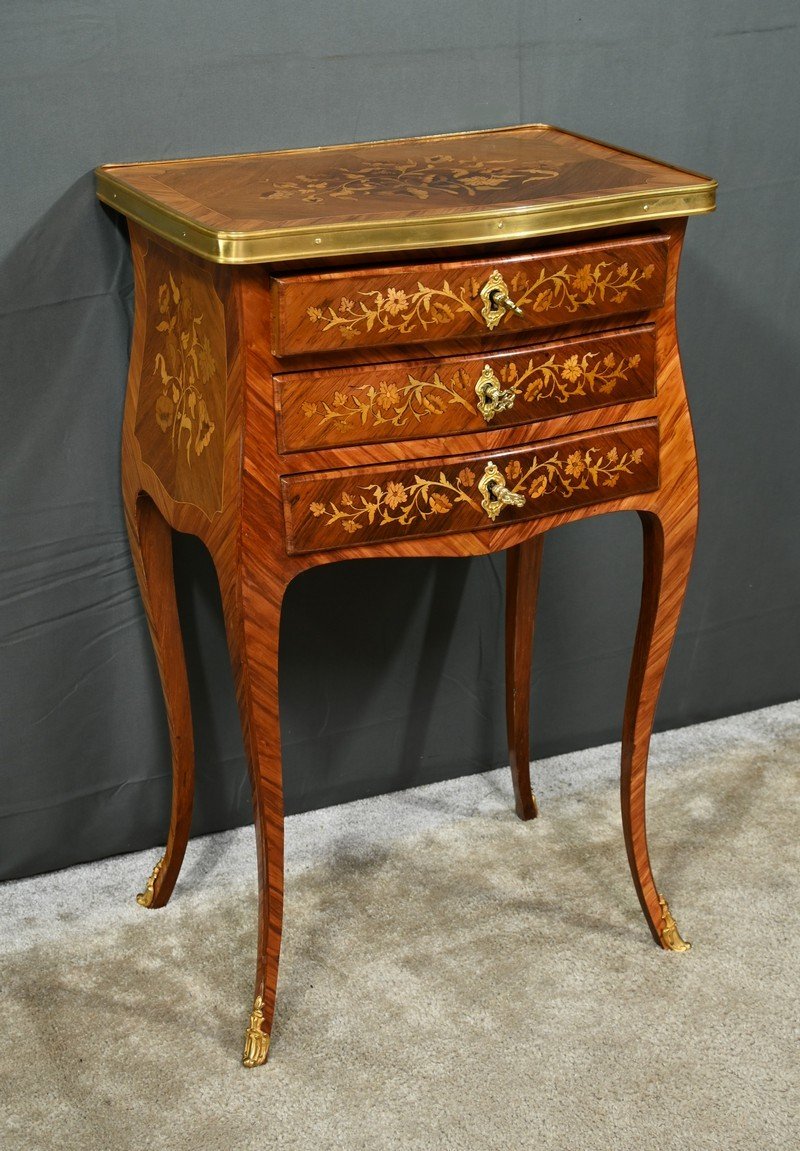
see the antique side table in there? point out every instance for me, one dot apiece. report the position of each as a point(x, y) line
point(442, 346)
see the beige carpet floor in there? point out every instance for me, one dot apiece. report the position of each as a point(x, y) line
point(451, 977)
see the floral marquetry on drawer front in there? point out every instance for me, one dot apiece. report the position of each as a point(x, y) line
point(434, 497)
point(413, 399)
point(406, 305)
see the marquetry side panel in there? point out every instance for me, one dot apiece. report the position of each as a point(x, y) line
point(420, 398)
point(415, 303)
point(181, 407)
point(449, 495)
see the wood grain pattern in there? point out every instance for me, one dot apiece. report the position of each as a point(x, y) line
point(423, 398)
point(398, 195)
point(523, 567)
point(442, 495)
point(405, 305)
point(245, 530)
point(150, 539)
point(152, 506)
point(426, 176)
point(181, 407)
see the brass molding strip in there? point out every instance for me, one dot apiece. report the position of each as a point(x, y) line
point(352, 239)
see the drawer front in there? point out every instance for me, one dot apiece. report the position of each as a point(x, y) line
point(409, 400)
point(406, 305)
point(467, 493)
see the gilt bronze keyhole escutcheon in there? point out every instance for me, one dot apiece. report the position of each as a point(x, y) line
point(491, 397)
point(496, 301)
point(496, 495)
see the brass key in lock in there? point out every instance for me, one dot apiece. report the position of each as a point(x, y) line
point(496, 301)
point(491, 397)
point(496, 495)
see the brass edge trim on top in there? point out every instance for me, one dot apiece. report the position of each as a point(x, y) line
point(352, 144)
point(401, 235)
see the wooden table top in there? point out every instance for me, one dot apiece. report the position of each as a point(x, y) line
point(398, 195)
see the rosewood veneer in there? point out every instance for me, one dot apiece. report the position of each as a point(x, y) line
point(443, 346)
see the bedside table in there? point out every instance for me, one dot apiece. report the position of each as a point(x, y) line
point(442, 346)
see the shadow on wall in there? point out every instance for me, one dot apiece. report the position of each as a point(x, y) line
point(81, 712)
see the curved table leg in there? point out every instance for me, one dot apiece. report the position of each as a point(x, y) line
point(523, 565)
point(151, 546)
point(252, 615)
point(668, 546)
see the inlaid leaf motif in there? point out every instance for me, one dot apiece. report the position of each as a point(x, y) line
point(184, 362)
point(400, 312)
point(562, 473)
point(414, 179)
point(387, 403)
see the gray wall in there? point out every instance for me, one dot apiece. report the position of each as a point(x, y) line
point(391, 671)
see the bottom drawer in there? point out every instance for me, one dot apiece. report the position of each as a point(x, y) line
point(466, 493)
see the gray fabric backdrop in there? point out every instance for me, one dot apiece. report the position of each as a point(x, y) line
point(391, 672)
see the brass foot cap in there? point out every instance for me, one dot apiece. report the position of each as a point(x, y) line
point(256, 1041)
point(145, 898)
point(670, 936)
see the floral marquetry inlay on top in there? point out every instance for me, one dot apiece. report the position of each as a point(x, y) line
point(415, 178)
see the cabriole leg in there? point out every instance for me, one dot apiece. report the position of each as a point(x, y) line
point(668, 546)
point(252, 614)
point(523, 565)
point(151, 546)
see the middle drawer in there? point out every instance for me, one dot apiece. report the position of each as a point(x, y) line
point(425, 398)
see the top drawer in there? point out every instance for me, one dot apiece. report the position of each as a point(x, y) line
point(330, 311)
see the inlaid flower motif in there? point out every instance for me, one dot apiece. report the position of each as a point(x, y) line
point(388, 395)
point(185, 360)
point(415, 178)
point(405, 311)
point(513, 470)
point(402, 502)
point(571, 369)
point(575, 465)
point(583, 278)
point(429, 395)
point(164, 412)
point(395, 494)
point(396, 301)
point(440, 503)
